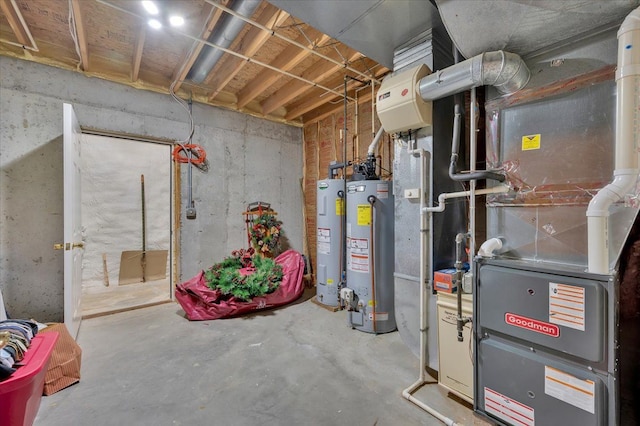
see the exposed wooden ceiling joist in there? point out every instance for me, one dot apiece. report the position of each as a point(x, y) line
point(318, 72)
point(185, 65)
point(317, 101)
point(288, 40)
point(271, 18)
point(80, 34)
point(137, 53)
point(16, 22)
point(328, 109)
point(269, 71)
point(288, 59)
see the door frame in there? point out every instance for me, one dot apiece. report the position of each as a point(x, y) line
point(175, 194)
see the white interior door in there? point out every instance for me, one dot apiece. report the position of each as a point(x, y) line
point(73, 243)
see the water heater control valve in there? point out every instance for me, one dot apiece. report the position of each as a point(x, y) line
point(346, 295)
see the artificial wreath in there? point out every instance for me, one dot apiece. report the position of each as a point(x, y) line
point(236, 277)
point(265, 234)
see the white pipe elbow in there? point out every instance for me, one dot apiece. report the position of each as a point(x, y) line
point(623, 182)
point(489, 247)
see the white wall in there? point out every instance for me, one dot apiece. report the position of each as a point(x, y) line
point(112, 203)
point(251, 159)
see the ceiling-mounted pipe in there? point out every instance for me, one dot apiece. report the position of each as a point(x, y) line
point(627, 141)
point(506, 71)
point(229, 29)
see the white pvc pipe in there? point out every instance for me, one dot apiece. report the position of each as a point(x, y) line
point(488, 248)
point(374, 144)
point(500, 189)
point(407, 393)
point(417, 385)
point(627, 144)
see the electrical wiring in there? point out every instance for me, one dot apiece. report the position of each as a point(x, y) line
point(184, 104)
point(74, 33)
point(193, 154)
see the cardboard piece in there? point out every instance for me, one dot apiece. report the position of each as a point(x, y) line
point(65, 362)
point(132, 270)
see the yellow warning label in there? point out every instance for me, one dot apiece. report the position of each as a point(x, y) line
point(339, 207)
point(371, 303)
point(364, 214)
point(330, 281)
point(530, 142)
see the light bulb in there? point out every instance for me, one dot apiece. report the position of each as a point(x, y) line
point(150, 7)
point(155, 24)
point(176, 21)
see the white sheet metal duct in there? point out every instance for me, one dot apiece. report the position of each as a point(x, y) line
point(505, 71)
point(627, 141)
point(223, 36)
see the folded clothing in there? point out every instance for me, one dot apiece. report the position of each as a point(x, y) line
point(15, 339)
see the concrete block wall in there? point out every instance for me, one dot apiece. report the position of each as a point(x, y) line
point(250, 159)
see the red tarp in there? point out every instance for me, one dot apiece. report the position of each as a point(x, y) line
point(202, 303)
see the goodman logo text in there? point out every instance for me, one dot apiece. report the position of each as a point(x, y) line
point(532, 324)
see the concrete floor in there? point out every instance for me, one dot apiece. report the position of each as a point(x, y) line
point(297, 365)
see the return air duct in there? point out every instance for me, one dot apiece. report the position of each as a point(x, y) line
point(226, 32)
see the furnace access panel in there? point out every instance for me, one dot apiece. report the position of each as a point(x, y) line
point(544, 345)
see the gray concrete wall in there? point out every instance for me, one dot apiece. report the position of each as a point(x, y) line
point(250, 159)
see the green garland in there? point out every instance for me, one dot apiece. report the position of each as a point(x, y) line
point(225, 276)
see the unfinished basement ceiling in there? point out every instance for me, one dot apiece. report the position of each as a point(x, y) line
point(281, 69)
point(376, 27)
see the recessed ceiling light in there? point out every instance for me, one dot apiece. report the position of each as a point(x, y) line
point(155, 24)
point(176, 21)
point(150, 7)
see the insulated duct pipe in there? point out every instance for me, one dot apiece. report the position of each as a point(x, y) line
point(627, 141)
point(505, 71)
point(224, 36)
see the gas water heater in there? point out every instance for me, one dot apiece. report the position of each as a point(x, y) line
point(368, 295)
point(329, 255)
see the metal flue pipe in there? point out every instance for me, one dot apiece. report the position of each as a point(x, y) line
point(505, 71)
